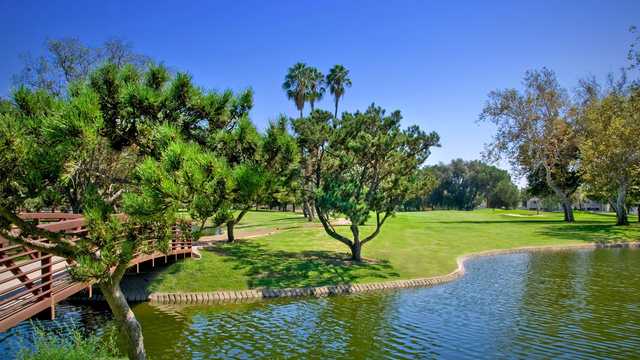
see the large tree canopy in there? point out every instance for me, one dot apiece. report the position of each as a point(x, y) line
point(312, 134)
point(536, 132)
point(100, 150)
point(610, 155)
point(365, 169)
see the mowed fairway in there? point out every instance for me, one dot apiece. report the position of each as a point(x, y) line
point(410, 245)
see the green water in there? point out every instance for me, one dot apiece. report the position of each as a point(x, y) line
point(581, 304)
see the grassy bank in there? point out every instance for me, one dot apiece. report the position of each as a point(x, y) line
point(411, 245)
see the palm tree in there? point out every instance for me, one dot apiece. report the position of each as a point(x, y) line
point(315, 86)
point(296, 84)
point(338, 79)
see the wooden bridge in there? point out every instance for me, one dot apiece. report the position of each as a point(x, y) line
point(32, 282)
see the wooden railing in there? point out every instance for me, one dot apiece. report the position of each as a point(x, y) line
point(32, 282)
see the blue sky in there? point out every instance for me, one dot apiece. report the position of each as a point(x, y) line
point(433, 60)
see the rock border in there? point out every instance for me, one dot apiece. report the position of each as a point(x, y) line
point(224, 296)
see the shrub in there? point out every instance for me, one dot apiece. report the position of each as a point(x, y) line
point(72, 345)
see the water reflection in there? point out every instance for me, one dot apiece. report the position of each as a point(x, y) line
point(582, 304)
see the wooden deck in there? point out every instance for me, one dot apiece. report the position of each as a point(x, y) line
point(32, 282)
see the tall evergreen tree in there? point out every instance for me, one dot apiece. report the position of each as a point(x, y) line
point(104, 150)
point(365, 169)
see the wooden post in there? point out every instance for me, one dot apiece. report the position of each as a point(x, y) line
point(46, 272)
point(53, 308)
point(90, 291)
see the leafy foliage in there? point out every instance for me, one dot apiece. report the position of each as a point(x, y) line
point(365, 168)
point(81, 151)
point(464, 185)
point(610, 156)
point(72, 346)
point(535, 131)
point(296, 85)
point(338, 80)
point(281, 158)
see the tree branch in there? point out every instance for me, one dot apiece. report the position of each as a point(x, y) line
point(242, 214)
point(57, 249)
point(379, 224)
point(58, 244)
point(330, 230)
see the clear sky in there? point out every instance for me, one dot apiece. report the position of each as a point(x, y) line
point(433, 60)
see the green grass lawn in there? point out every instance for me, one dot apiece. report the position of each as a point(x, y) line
point(262, 220)
point(410, 245)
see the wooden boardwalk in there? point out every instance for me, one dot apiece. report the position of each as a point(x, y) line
point(32, 282)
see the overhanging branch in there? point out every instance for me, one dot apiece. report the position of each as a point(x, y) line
point(328, 228)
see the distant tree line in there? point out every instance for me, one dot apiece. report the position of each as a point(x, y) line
point(465, 185)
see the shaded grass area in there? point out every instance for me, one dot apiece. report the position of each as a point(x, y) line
point(266, 267)
point(411, 245)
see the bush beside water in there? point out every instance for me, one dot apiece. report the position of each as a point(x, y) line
point(72, 345)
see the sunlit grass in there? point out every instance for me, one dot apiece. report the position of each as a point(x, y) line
point(416, 244)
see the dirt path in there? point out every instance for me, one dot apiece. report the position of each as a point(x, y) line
point(250, 234)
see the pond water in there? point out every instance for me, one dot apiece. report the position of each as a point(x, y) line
point(572, 305)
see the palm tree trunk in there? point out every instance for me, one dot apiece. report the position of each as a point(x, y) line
point(335, 114)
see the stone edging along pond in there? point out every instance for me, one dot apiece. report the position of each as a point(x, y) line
point(266, 293)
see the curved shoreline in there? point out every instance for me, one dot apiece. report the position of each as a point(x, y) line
point(223, 296)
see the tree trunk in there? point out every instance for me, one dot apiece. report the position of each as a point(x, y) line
point(564, 198)
point(356, 250)
point(622, 217)
point(568, 210)
point(307, 209)
point(356, 247)
point(74, 202)
point(129, 327)
point(230, 235)
point(335, 114)
point(312, 207)
point(232, 223)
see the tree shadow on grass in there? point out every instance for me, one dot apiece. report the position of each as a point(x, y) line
point(599, 233)
point(283, 269)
